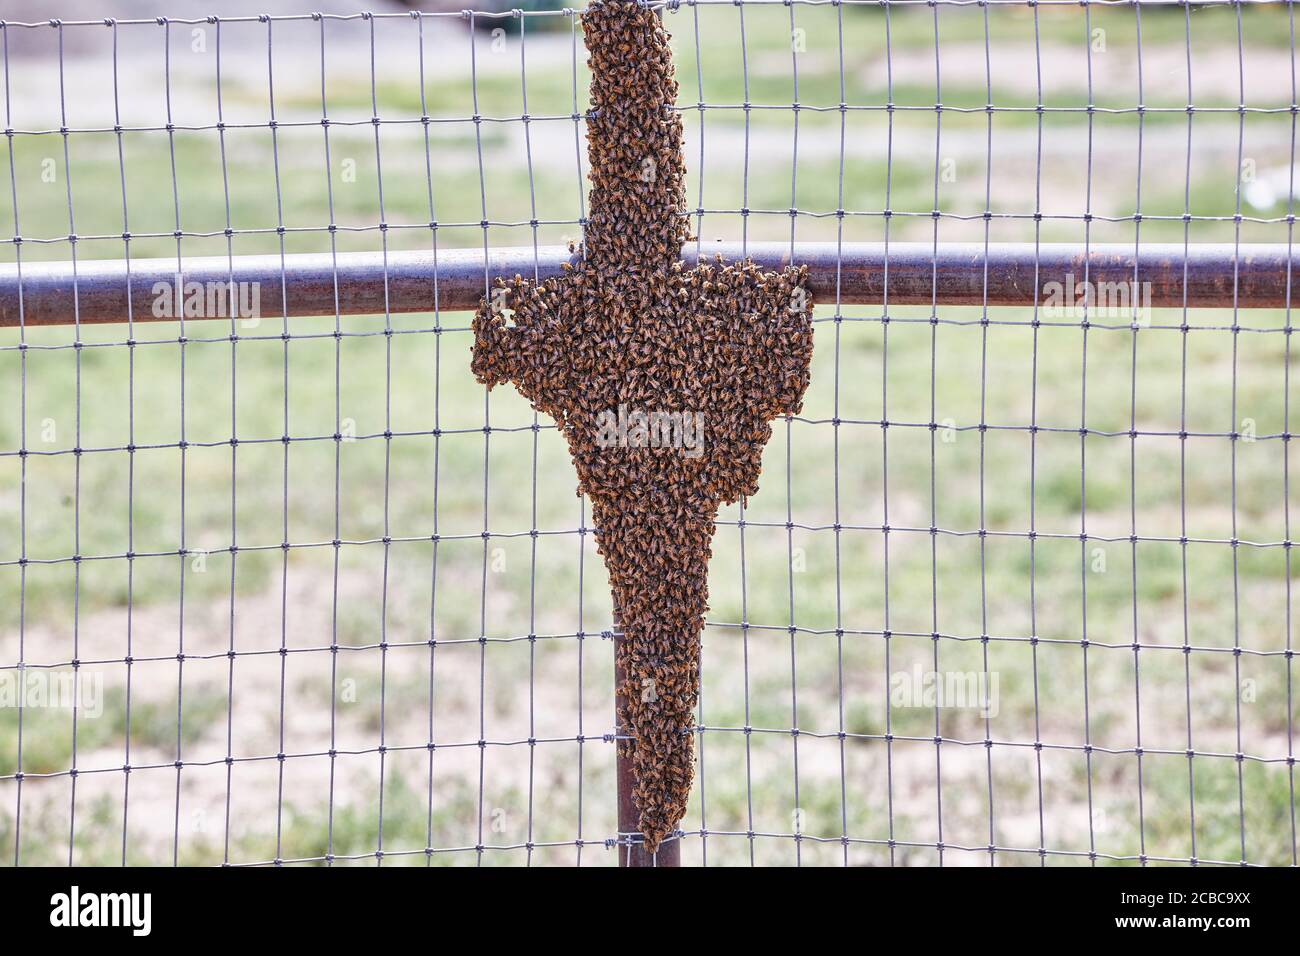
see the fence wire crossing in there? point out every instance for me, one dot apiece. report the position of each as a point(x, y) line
point(1017, 589)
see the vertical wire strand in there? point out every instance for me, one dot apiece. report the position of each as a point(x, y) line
point(1033, 438)
point(744, 584)
point(431, 744)
point(1132, 445)
point(183, 551)
point(130, 432)
point(983, 428)
point(76, 458)
point(699, 229)
point(234, 301)
point(578, 118)
point(839, 565)
point(487, 439)
point(230, 260)
point(888, 218)
point(338, 427)
point(22, 462)
point(284, 473)
point(1234, 438)
point(1083, 452)
point(934, 478)
point(388, 447)
point(536, 430)
point(1286, 447)
point(789, 467)
point(1182, 445)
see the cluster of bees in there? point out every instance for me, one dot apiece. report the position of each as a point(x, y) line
point(631, 325)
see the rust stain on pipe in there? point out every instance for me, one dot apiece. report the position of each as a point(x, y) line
point(1218, 275)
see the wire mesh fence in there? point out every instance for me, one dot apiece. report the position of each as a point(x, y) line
point(281, 583)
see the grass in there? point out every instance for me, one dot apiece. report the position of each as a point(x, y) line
point(517, 618)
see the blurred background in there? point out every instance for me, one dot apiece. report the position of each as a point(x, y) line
point(816, 601)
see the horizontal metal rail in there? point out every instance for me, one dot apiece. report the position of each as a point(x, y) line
point(1171, 275)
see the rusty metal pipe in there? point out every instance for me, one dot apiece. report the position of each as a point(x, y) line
point(1218, 275)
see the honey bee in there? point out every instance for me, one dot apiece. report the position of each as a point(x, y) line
point(629, 324)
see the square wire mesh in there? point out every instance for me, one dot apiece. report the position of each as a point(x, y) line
point(1017, 589)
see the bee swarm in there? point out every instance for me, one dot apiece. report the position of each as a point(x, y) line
point(630, 326)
